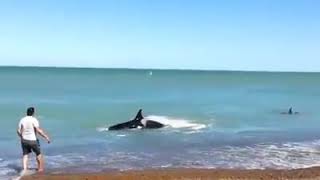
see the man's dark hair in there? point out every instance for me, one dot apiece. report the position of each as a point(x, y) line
point(30, 111)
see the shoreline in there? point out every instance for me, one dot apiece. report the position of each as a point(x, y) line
point(186, 173)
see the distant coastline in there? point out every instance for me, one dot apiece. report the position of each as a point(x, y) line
point(153, 69)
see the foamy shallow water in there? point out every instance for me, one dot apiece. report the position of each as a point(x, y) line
point(260, 156)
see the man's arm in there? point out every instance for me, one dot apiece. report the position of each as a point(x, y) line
point(42, 133)
point(19, 131)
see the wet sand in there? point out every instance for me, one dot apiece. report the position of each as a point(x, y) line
point(185, 173)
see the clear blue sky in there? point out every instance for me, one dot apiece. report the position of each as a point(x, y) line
point(274, 35)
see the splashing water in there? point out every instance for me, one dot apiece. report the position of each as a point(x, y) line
point(176, 123)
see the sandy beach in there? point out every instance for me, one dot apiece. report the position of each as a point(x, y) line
point(162, 174)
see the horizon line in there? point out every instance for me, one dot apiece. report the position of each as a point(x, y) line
point(156, 69)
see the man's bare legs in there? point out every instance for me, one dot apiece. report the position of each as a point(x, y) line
point(25, 162)
point(40, 163)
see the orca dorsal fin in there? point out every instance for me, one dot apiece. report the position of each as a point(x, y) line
point(139, 115)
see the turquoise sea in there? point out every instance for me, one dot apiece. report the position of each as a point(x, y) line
point(214, 119)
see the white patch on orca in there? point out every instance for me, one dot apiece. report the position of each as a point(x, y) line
point(176, 123)
point(144, 122)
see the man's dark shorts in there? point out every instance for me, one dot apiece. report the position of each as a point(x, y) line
point(30, 146)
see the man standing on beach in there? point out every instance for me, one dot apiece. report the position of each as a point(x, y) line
point(27, 130)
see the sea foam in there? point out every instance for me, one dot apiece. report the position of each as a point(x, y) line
point(176, 123)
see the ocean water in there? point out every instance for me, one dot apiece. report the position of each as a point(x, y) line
point(214, 119)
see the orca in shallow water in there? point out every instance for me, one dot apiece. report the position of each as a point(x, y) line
point(137, 122)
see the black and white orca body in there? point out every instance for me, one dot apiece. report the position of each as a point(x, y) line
point(138, 122)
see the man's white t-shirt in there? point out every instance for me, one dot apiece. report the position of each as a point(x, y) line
point(26, 126)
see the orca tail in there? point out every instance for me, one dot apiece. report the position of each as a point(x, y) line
point(139, 115)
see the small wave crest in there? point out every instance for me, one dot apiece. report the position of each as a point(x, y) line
point(121, 135)
point(101, 129)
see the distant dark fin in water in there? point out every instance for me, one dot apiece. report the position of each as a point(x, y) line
point(290, 112)
point(139, 115)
